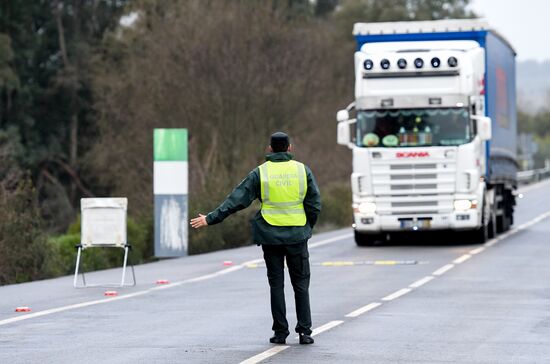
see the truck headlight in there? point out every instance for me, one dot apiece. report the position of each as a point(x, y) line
point(463, 205)
point(452, 62)
point(402, 63)
point(368, 64)
point(365, 207)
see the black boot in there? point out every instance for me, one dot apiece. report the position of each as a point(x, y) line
point(306, 339)
point(277, 339)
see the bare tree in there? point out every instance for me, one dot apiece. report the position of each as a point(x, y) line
point(229, 72)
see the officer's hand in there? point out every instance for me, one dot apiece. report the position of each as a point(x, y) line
point(199, 222)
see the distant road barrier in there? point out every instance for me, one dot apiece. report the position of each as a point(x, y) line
point(534, 175)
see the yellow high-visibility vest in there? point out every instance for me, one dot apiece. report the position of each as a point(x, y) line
point(283, 189)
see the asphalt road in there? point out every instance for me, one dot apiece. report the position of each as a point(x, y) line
point(433, 300)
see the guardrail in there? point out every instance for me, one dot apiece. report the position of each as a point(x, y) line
point(534, 175)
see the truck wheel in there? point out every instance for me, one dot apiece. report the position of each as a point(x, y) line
point(481, 235)
point(365, 239)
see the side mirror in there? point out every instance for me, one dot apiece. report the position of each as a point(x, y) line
point(484, 128)
point(342, 115)
point(343, 133)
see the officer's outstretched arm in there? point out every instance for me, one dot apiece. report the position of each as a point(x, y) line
point(241, 197)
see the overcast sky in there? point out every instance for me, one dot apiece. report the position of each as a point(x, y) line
point(525, 23)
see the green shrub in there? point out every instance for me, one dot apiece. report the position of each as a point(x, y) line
point(23, 247)
point(336, 206)
point(140, 236)
point(63, 258)
point(92, 259)
point(233, 232)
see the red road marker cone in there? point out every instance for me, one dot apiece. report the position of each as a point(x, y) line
point(22, 309)
point(163, 281)
point(111, 293)
point(227, 262)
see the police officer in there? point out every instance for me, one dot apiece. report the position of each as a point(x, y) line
point(290, 207)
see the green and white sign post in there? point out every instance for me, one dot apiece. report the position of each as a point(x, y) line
point(170, 189)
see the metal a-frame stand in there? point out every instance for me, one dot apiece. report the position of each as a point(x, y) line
point(103, 225)
point(127, 248)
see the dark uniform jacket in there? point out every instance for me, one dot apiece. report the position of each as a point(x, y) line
point(262, 232)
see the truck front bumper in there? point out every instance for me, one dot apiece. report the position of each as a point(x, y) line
point(458, 220)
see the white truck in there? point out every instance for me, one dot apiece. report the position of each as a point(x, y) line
point(432, 129)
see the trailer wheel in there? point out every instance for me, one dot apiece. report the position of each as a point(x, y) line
point(365, 239)
point(507, 222)
point(506, 219)
point(503, 223)
point(492, 225)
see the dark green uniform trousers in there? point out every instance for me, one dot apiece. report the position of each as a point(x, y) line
point(297, 261)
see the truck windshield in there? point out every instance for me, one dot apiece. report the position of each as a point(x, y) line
point(413, 127)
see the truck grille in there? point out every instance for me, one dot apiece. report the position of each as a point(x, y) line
point(413, 176)
point(413, 188)
point(414, 204)
point(425, 186)
point(414, 166)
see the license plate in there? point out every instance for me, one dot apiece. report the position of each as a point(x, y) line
point(426, 224)
point(409, 224)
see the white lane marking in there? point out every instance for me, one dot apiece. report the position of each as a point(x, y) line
point(325, 327)
point(462, 259)
point(329, 325)
point(505, 235)
point(529, 223)
point(396, 294)
point(153, 289)
point(362, 310)
point(477, 251)
point(215, 274)
point(118, 298)
point(264, 355)
point(69, 307)
point(401, 292)
point(123, 297)
point(517, 229)
point(539, 218)
point(443, 269)
point(421, 282)
point(277, 349)
point(330, 240)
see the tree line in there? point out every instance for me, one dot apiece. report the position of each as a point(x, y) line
point(83, 83)
point(537, 124)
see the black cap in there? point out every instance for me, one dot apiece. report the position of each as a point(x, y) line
point(279, 142)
